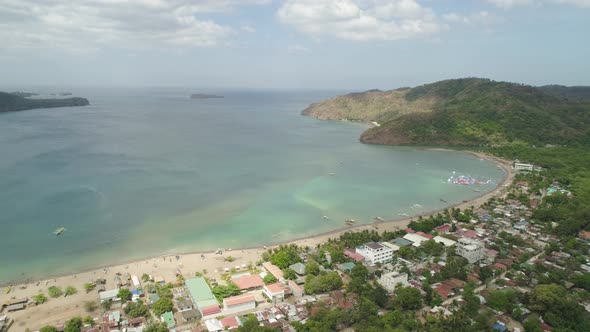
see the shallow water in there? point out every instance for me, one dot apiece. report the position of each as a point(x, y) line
point(143, 172)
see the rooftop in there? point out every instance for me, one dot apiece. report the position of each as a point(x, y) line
point(239, 299)
point(247, 282)
point(200, 292)
point(374, 245)
point(274, 288)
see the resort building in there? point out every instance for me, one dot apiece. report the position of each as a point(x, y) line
point(446, 242)
point(275, 292)
point(202, 297)
point(110, 295)
point(248, 282)
point(416, 239)
point(239, 303)
point(273, 269)
point(518, 166)
point(472, 250)
point(393, 247)
point(375, 253)
point(391, 279)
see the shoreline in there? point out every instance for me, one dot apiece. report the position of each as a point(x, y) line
point(381, 226)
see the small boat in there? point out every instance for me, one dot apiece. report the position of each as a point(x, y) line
point(477, 190)
point(442, 200)
point(59, 231)
point(325, 218)
point(378, 219)
point(350, 221)
point(332, 174)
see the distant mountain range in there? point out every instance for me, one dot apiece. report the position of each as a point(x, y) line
point(466, 112)
point(18, 101)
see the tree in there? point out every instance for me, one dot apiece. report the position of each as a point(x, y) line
point(290, 274)
point(221, 292)
point(88, 287)
point(145, 277)
point(48, 328)
point(40, 298)
point(88, 320)
point(251, 325)
point(322, 283)
point(73, 325)
point(162, 305)
point(269, 279)
point(156, 327)
point(54, 291)
point(90, 306)
point(106, 305)
point(137, 309)
point(312, 268)
point(408, 298)
point(124, 294)
point(70, 291)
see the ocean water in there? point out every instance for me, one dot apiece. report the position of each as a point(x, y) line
point(144, 172)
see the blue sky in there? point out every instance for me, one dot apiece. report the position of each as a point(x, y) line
point(329, 44)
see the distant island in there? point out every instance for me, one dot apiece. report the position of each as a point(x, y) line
point(466, 112)
point(18, 101)
point(204, 96)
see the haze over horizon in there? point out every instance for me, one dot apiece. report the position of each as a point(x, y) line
point(327, 44)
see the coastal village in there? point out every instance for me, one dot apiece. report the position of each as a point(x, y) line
point(491, 261)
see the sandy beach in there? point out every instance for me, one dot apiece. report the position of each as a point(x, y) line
point(58, 310)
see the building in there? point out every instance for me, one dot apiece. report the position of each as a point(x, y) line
point(275, 292)
point(416, 239)
point(202, 297)
point(351, 253)
point(273, 269)
point(296, 289)
point(522, 166)
point(472, 250)
point(446, 242)
point(391, 279)
point(401, 242)
point(239, 303)
point(248, 282)
point(110, 295)
point(299, 268)
point(393, 247)
point(375, 253)
point(168, 319)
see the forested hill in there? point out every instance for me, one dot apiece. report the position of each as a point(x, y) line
point(13, 102)
point(466, 112)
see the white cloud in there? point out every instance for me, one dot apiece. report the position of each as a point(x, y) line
point(478, 18)
point(86, 25)
point(506, 4)
point(296, 49)
point(579, 3)
point(360, 20)
point(248, 28)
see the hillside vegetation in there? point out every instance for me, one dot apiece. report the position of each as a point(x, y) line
point(16, 102)
point(467, 112)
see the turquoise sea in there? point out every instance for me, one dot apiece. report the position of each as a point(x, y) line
point(144, 172)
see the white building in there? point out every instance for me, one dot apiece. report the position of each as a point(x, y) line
point(275, 292)
point(446, 242)
point(239, 303)
point(417, 239)
point(391, 279)
point(472, 250)
point(522, 166)
point(375, 253)
point(393, 247)
point(111, 295)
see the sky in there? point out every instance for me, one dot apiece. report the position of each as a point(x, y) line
point(302, 44)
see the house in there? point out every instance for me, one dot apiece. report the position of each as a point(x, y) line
point(296, 289)
point(428, 236)
point(393, 247)
point(110, 295)
point(273, 269)
point(299, 268)
point(275, 292)
point(416, 239)
point(214, 325)
point(189, 315)
point(402, 242)
point(391, 279)
point(443, 229)
point(239, 303)
point(584, 236)
point(346, 267)
point(202, 296)
point(470, 249)
point(168, 319)
point(248, 282)
point(446, 242)
point(468, 233)
point(351, 253)
point(375, 253)
point(522, 166)
point(521, 225)
point(230, 323)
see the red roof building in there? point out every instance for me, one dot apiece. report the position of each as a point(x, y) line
point(424, 234)
point(500, 266)
point(230, 323)
point(210, 310)
point(409, 230)
point(443, 229)
point(584, 235)
point(351, 253)
point(248, 282)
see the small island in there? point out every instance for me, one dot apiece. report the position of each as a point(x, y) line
point(204, 96)
point(12, 102)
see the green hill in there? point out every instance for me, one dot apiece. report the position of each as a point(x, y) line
point(466, 112)
point(16, 102)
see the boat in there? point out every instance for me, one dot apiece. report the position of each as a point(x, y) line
point(378, 219)
point(325, 218)
point(350, 221)
point(59, 231)
point(477, 190)
point(442, 200)
point(332, 174)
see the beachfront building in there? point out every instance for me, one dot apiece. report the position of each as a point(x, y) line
point(248, 282)
point(275, 292)
point(273, 269)
point(446, 242)
point(518, 166)
point(239, 303)
point(375, 253)
point(393, 246)
point(471, 249)
point(109, 295)
point(390, 280)
point(416, 239)
point(202, 297)
point(299, 268)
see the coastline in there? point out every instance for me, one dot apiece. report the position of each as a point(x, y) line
point(188, 263)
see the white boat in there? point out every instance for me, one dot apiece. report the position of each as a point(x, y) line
point(325, 218)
